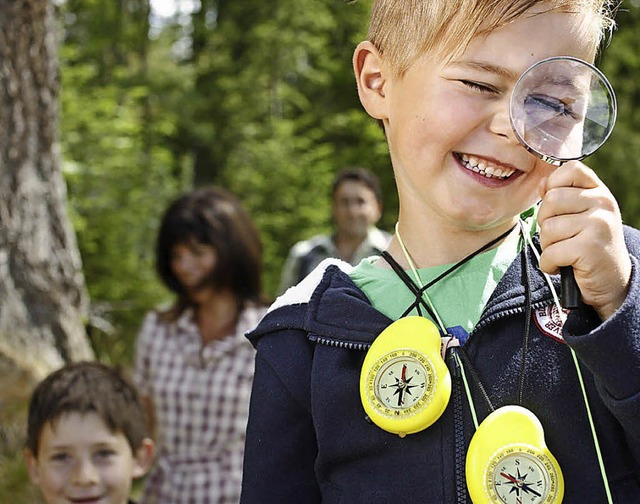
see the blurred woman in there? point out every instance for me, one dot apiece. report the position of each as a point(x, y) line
point(194, 367)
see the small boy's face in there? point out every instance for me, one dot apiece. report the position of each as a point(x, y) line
point(455, 156)
point(81, 461)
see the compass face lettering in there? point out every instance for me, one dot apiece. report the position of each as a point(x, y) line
point(402, 383)
point(521, 475)
point(508, 461)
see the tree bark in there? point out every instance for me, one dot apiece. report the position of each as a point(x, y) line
point(43, 298)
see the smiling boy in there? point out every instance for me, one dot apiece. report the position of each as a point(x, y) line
point(86, 438)
point(482, 223)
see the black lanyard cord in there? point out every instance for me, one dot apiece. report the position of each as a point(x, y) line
point(417, 291)
point(402, 274)
point(419, 301)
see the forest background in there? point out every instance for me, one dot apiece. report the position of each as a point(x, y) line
point(258, 97)
point(255, 96)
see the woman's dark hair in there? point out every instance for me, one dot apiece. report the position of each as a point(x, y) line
point(213, 216)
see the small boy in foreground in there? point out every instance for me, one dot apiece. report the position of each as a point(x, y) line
point(86, 436)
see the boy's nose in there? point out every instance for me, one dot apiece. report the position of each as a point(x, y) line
point(85, 473)
point(500, 122)
point(355, 209)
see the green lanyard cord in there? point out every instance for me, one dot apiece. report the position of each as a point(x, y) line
point(594, 434)
point(527, 236)
point(603, 471)
point(414, 270)
point(466, 388)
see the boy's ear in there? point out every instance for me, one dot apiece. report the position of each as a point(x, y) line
point(143, 458)
point(371, 79)
point(32, 466)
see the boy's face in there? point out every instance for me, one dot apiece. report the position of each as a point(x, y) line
point(448, 121)
point(80, 461)
point(355, 209)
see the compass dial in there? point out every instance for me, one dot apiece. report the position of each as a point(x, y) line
point(519, 475)
point(508, 461)
point(403, 381)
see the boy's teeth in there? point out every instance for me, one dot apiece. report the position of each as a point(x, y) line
point(483, 168)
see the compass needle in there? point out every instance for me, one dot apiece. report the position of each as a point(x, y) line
point(504, 464)
point(405, 388)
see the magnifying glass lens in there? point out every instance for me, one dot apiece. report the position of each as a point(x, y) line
point(563, 108)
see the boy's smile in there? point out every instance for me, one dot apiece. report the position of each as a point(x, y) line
point(458, 164)
point(486, 168)
point(80, 461)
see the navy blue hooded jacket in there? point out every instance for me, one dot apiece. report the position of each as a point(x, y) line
point(309, 441)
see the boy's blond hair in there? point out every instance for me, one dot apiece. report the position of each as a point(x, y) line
point(404, 30)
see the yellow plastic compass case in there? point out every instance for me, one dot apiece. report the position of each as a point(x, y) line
point(404, 383)
point(508, 461)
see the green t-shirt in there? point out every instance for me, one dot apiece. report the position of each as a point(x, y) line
point(459, 298)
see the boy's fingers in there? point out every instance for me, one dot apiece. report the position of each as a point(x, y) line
point(557, 229)
point(542, 187)
point(573, 174)
point(564, 200)
point(564, 251)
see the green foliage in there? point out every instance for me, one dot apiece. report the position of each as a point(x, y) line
point(255, 96)
point(617, 163)
point(118, 164)
point(258, 97)
point(277, 112)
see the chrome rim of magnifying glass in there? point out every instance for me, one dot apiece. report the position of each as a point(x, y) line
point(553, 160)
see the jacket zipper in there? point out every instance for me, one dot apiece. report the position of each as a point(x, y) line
point(349, 345)
point(505, 313)
point(456, 396)
point(458, 430)
point(360, 346)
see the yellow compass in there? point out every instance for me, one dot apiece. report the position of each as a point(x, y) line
point(508, 461)
point(404, 383)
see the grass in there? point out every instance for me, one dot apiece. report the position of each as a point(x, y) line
point(15, 486)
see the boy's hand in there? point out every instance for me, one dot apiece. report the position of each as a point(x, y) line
point(581, 227)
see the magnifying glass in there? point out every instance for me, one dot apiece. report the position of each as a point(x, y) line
point(563, 109)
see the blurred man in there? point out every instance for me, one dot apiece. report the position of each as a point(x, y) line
point(357, 207)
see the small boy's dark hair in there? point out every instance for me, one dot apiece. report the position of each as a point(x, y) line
point(361, 175)
point(87, 387)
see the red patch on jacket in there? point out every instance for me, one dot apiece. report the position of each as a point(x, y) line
point(550, 321)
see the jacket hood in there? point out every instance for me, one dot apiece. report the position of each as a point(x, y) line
point(327, 304)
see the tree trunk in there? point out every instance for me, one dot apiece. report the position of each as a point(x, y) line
point(43, 298)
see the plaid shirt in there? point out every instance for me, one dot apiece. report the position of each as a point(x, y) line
point(201, 400)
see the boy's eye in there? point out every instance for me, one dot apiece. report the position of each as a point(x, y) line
point(105, 453)
point(60, 457)
point(549, 105)
point(476, 86)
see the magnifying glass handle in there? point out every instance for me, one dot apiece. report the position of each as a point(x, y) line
point(569, 290)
